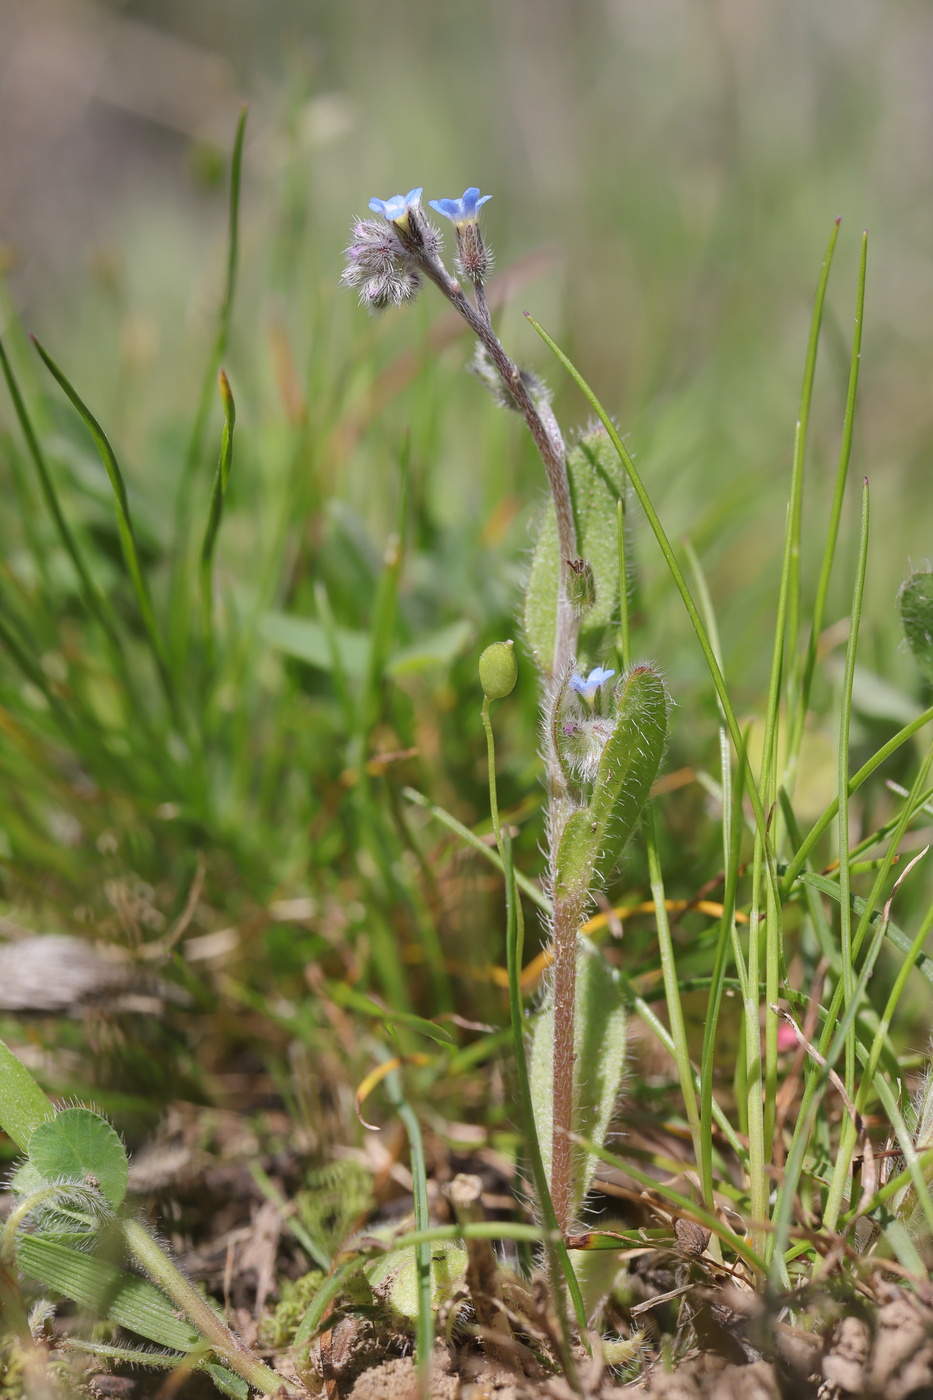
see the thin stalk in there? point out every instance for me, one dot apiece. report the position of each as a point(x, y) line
point(197, 1309)
point(784, 644)
point(728, 932)
point(625, 640)
point(759, 1154)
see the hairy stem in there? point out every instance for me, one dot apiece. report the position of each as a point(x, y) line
point(566, 923)
point(547, 439)
point(198, 1311)
point(568, 913)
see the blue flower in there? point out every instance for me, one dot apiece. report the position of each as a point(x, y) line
point(461, 211)
point(397, 207)
point(588, 688)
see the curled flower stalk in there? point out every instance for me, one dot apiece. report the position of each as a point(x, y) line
point(412, 245)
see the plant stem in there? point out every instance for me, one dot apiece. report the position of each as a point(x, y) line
point(568, 913)
point(198, 1310)
point(567, 918)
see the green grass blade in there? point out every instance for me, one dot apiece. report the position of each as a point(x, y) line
point(124, 522)
point(675, 1014)
point(347, 996)
point(178, 611)
point(842, 471)
point(320, 1303)
point(835, 1031)
point(800, 452)
point(221, 482)
point(94, 601)
point(895, 935)
point(219, 349)
point(425, 1324)
point(845, 715)
point(686, 1205)
point(822, 824)
point(476, 843)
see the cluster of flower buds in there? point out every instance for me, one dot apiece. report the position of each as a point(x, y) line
point(583, 729)
point(386, 256)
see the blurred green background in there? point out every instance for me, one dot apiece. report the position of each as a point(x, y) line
point(681, 161)
point(665, 177)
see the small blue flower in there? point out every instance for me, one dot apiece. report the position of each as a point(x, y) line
point(398, 206)
point(588, 688)
point(461, 211)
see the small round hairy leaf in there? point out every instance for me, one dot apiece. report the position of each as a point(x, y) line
point(79, 1145)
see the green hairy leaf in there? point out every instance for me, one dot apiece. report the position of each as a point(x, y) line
point(595, 835)
point(79, 1145)
point(107, 1292)
point(596, 485)
point(23, 1106)
point(599, 1062)
point(915, 602)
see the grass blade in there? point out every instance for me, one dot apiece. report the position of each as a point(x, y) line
point(845, 714)
point(425, 1324)
point(221, 482)
point(124, 523)
point(800, 451)
point(845, 452)
point(93, 599)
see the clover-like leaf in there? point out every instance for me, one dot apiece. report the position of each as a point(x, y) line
point(79, 1145)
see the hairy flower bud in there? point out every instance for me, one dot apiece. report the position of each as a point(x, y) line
point(474, 259)
point(379, 263)
point(581, 585)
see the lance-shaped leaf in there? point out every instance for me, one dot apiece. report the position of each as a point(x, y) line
point(915, 602)
point(596, 486)
point(594, 835)
point(23, 1106)
point(599, 1061)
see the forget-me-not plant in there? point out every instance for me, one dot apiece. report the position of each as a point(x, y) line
point(602, 745)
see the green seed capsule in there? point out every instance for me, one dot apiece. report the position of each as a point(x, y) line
point(498, 670)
